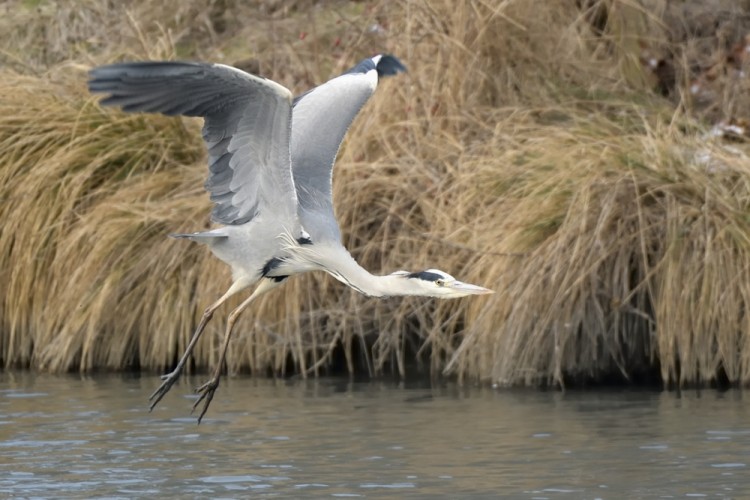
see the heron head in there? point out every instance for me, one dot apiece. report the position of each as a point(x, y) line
point(436, 283)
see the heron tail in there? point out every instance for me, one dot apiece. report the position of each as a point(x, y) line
point(207, 237)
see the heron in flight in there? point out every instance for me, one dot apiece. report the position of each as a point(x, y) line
point(270, 160)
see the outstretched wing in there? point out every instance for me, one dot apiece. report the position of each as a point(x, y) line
point(320, 119)
point(247, 127)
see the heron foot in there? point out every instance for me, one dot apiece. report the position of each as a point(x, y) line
point(206, 392)
point(169, 380)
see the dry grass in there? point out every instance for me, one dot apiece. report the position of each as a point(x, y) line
point(525, 151)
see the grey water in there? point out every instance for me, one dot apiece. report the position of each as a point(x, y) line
point(93, 437)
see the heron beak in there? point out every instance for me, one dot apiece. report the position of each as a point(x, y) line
point(469, 289)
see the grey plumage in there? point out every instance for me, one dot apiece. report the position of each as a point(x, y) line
point(316, 138)
point(270, 161)
point(247, 126)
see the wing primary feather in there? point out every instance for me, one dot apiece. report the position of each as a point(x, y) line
point(321, 118)
point(247, 123)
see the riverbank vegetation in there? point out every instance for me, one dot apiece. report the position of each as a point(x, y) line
point(589, 163)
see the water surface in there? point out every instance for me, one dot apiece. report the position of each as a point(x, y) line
point(93, 437)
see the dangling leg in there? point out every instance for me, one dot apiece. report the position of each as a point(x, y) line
point(170, 378)
point(207, 390)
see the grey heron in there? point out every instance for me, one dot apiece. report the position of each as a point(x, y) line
point(270, 159)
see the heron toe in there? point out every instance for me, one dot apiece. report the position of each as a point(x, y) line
point(169, 380)
point(206, 392)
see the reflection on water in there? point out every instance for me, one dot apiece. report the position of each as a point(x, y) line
point(94, 437)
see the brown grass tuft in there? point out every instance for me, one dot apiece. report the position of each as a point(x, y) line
point(528, 149)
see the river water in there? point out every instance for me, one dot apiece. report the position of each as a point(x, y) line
point(93, 437)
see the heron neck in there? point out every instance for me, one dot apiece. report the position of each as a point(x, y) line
point(339, 263)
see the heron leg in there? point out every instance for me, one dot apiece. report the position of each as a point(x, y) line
point(206, 391)
point(171, 377)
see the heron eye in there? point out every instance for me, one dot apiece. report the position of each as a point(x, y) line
point(440, 282)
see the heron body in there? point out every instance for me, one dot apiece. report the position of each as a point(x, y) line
point(270, 160)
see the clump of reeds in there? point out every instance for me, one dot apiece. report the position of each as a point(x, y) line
point(525, 151)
